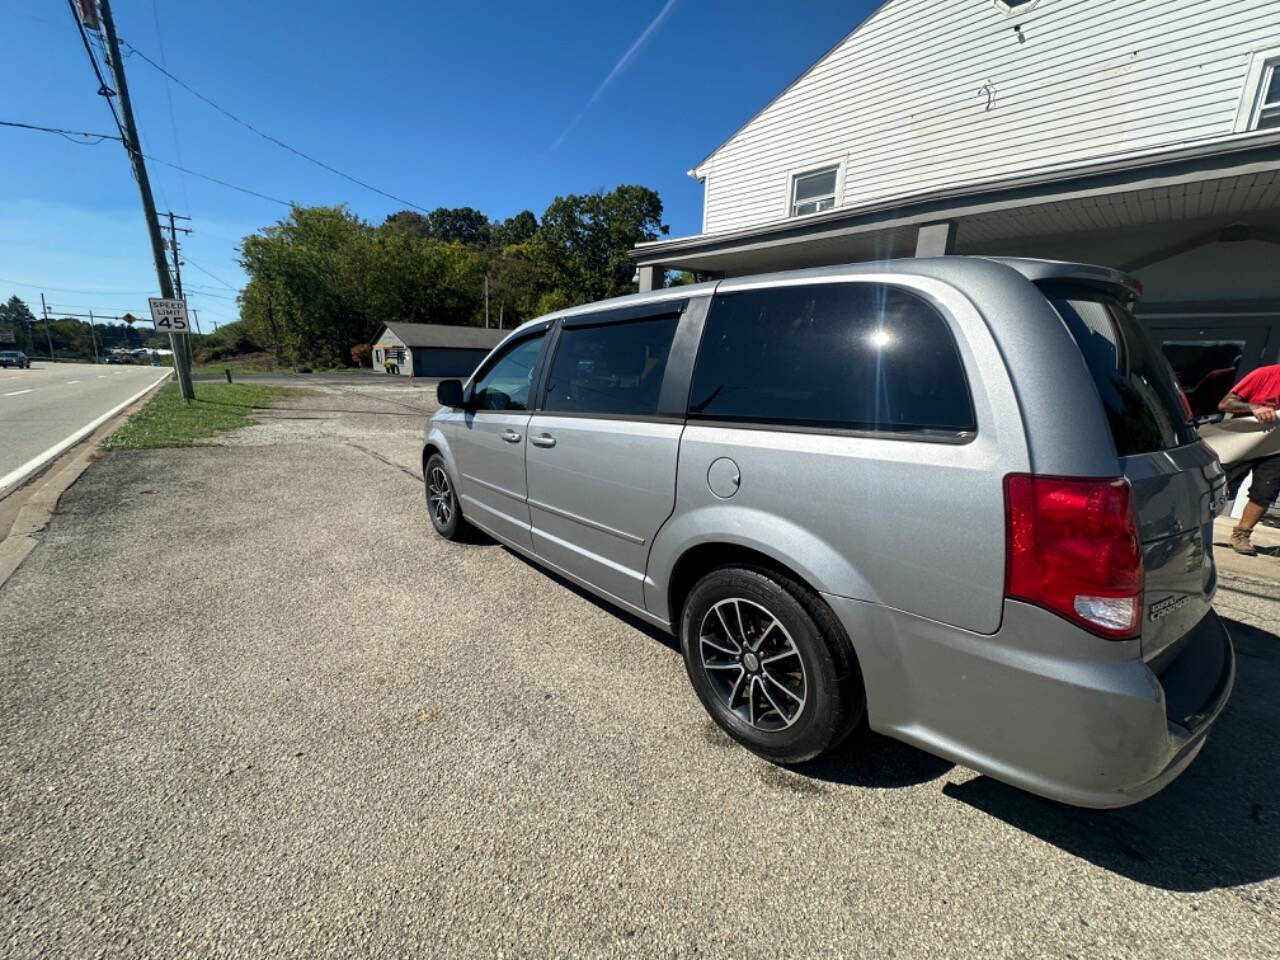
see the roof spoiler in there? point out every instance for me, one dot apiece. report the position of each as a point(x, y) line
point(1115, 282)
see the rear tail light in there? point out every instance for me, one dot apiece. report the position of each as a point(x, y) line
point(1072, 547)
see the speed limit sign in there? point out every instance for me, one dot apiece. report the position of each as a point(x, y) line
point(169, 316)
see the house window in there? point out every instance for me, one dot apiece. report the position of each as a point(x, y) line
point(1267, 116)
point(811, 192)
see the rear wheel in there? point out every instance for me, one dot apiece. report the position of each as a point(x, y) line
point(770, 663)
point(442, 499)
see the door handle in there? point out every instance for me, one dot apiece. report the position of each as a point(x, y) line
point(511, 436)
point(543, 440)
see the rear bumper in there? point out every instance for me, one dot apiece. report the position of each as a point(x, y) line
point(1097, 728)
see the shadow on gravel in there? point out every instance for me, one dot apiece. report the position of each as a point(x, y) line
point(1218, 825)
point(868, 759)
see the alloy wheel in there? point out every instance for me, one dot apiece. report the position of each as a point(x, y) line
point(752, 663)
point(440, 497)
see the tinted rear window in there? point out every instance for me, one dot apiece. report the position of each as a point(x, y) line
point(1134, 380)
point(615, 368)
point(856, 356)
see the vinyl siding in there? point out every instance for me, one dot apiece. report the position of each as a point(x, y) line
point(899, 102)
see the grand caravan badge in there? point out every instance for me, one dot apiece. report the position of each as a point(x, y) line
point(1166, 606)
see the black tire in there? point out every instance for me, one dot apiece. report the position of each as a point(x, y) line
point(822, 670)
point(446, 512)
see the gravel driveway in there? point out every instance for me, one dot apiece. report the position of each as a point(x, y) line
point(254, 707)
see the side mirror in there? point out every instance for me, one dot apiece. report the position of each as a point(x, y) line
point(449, 393)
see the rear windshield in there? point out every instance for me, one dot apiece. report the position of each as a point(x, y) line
point(1134, 380)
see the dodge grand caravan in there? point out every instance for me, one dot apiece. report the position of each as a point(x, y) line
point(960, 497)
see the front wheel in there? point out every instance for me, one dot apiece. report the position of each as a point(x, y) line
point(770, 663)
point(442, 499)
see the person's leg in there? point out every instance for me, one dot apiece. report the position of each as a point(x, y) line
point(1262, 492)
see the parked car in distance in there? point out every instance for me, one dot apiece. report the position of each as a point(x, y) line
point(14, 358)
point(958, 496)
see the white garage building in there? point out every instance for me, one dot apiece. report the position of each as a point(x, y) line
point(1143, 134)
point(433, 349)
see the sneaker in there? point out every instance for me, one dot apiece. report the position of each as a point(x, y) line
point(1240, 542)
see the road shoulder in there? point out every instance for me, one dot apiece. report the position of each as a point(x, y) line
point(28, 509)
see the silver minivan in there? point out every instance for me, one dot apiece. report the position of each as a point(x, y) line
point(960, 497)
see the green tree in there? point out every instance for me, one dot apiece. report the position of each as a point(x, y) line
point(583, 241)
point(465, 225)
point(15, 315)
point(322, 280)
point(302, 301)
point(411, 222)
point(228, 340)
point(513, 230)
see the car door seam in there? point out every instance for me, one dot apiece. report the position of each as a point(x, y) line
point(494, 487)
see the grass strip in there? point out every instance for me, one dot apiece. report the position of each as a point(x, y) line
point(218, 407)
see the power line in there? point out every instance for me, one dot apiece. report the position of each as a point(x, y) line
point(105, 293)
point(266, 136)
point(221, 183)
point(168, 95)
point(201, 292)
point(168, 163)
point(91, 139)
point(208, 274)
point(104, 91)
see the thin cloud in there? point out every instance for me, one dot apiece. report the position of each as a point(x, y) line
point(618, 69)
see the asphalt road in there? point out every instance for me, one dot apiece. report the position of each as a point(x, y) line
point(41, 407)
point(275, 715)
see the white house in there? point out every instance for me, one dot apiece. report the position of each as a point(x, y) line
point(1144, 134)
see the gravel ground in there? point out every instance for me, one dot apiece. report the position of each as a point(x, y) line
point(304, 726)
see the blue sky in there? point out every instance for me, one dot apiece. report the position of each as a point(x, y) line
point(500, 106)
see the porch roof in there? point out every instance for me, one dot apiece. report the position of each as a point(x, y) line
point(1190, 188)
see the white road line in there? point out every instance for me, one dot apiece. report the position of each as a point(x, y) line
point(35, 463)
point(102, 376)
point(16, 393)
point(69, 382)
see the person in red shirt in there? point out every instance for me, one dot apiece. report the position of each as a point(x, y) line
point(1257, 395)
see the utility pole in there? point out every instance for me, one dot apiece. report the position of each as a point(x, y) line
point(486, 301)
point(144, 185)
point(174, 230)
point(45, 307)
point(93, 336)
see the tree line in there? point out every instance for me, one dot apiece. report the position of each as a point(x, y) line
point(70, 338)
point(322, 281)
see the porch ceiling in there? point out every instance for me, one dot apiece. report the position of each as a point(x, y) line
point(1251, 197)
